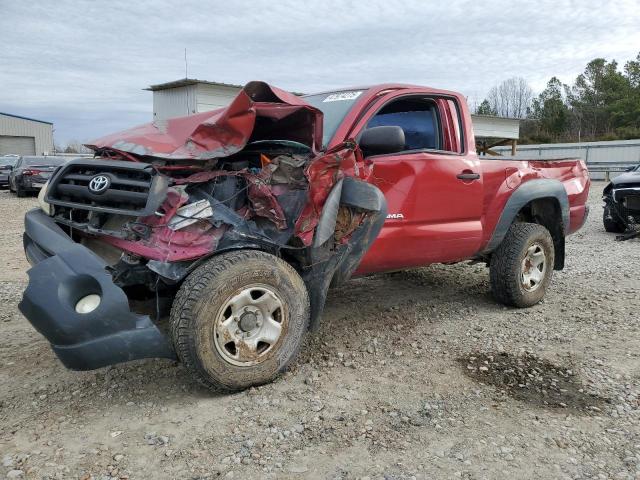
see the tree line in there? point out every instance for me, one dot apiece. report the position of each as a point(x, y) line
point(603, 103)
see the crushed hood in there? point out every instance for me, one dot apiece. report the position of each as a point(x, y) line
point(259, 111)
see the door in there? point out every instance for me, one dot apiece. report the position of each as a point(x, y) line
point(17, 145)
point(433, 188)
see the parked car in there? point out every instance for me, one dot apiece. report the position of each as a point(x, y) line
point(621, 199)
point(242, 218)
point(7, 163)
point(30, 173)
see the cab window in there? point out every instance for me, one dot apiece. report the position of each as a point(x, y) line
point(417, 117)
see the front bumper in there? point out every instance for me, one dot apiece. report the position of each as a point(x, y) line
point(62, 273)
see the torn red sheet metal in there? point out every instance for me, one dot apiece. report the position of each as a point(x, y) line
point(259, 111)
point(167, 245)
point(323, 172)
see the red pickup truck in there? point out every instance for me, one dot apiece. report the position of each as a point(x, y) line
point(239, 221)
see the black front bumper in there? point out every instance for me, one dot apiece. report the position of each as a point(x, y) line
point(62, 273)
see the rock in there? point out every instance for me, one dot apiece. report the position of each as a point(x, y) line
point(7, 461)
point(15, 474)
point(298, 469)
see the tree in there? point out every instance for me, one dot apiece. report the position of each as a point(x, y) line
point(551, 110)
point(632, 71)
point(512, 98)
point(602, 104)
point(74, 146)
point(599, 95)
point(485, 108)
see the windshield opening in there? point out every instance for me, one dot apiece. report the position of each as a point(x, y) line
point(334, 106)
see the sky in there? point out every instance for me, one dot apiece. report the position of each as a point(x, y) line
point(83, 65)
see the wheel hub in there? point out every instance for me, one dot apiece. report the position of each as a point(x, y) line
point(534, 267)
point(249, 325)
point(248, 321)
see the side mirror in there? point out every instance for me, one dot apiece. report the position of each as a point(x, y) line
point(380, 140)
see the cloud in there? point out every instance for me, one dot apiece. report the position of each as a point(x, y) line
point(83, 65)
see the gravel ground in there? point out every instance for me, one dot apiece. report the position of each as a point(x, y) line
point(413, 375)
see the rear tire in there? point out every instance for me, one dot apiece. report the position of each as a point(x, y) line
point(239, 319)
point(611, 225)
point(522, 266)
point(20, 192)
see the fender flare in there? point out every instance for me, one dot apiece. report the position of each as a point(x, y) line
point(528, 191)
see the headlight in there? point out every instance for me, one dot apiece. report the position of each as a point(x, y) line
point(46, 207)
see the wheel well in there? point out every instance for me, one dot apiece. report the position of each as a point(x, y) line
point(547, 212)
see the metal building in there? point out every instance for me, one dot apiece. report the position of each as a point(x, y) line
point(593, 153)
point(189, 96)
point(25, 136)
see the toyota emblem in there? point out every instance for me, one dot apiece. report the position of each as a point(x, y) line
point(99, 184)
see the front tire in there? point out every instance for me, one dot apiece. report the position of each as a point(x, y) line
point(239, 319)
point(522, 266)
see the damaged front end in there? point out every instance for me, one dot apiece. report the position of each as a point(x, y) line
point(163, 198)
point(622, 206)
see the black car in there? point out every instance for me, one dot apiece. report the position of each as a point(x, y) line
point(6, 165)
point(622, 202)
point(31, 173)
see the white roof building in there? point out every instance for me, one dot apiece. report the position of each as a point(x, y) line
point(189, 96)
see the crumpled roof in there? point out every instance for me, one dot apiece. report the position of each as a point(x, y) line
point(259, 111)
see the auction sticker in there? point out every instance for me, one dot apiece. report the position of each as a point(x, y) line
point(340, 96)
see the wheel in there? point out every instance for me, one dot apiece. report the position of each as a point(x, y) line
point(610, 223)
point(522, 266)
point(20, 192)
point(239, 319)
point(11, 188)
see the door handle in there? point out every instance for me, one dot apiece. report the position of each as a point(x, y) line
point(468, 176)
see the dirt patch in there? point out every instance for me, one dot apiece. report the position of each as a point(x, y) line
point(532, 379)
